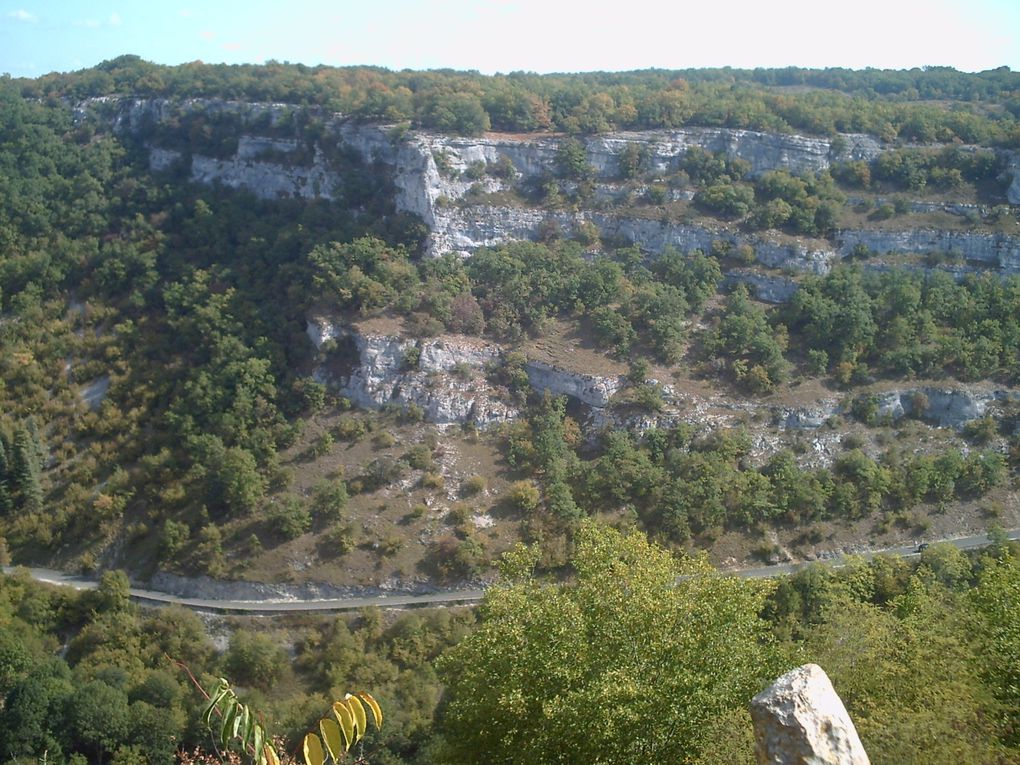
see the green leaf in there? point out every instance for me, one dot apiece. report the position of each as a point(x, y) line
point(228, 721)
point(333, 737)
point(258, 738)
point(346, 720)
point(235, 726)
point(358, 710)
point(218, 694)
point(247, 727)
point(313, 750)
point(373, 705)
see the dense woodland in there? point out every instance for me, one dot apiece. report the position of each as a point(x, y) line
point(923, 654)
point(189, 303)
point(910, 105)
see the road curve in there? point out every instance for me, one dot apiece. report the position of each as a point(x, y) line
point(454, 597)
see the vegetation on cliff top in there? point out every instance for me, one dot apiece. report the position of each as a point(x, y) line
point(930, 104)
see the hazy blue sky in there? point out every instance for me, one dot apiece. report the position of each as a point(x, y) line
point(40, 36)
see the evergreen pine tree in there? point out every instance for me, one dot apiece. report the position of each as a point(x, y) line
point(26, 470)
point(6, 501)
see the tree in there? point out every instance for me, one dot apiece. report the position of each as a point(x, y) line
point(908, 675)
point(627, 663)
point(99, 717)
point(6, 500)
point(26, 469)
point(34, 710)
point(996, 599)
point(254, 658)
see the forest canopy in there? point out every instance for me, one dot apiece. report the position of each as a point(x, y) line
point(909, 105)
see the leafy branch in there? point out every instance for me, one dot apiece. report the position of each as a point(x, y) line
point(343, 727)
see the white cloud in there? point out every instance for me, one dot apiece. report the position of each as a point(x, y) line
point(115, 20)
point(87, 24)
point(184, 13)
point(22, 15)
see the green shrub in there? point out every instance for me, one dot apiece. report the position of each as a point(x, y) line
point(290, 518)
point(419, 457)
point(330, 498)
point(524, 495)
point(432, 481)
point(471, 486)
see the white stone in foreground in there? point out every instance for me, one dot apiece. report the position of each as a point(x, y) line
point(799, 720)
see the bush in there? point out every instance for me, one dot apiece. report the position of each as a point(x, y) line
point(351, 429)
point(982, 430)
point(818, 362)
point(330, 498)
point(322, 445)
point(290, 518)
point(472, 486)
point(524, 495)
point(432, 481)
point(340, 539)
point(172, 538)
point(380, 472)
point(419, 457)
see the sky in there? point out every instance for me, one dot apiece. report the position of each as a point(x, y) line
point(41, 36)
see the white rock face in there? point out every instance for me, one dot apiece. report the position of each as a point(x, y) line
point(993, 250)
point(799, 720)
point(447, 382)
point(448, 379)
point(808, 418)
point(946, 407)
point(1013, 168)
point(415, 159)
point(769, 289)
point(162, 159)
point(463, 230)
point(593, 390)
point(267, 180)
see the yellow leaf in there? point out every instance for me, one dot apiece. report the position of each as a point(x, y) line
point(333, 737)
point(270, 755)
point(313, 750)
point(360, 718)
point(373, 705)
point(346, 720)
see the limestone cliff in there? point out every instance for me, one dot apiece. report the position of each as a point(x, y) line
point(433, 174)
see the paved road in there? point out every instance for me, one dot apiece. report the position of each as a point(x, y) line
point(270, 607)
point(963, 543)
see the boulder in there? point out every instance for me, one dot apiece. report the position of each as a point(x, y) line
point(799, 720)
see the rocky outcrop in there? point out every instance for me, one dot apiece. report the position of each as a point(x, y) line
point(1013, 169)
point(767, 288)
point(799, 720)
point(267, 180)
point(997, 251)
point(806, 418)
point(466, 229)
point(432, 172)
point(944, 407)
point(444, 377)
point(593, 390)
